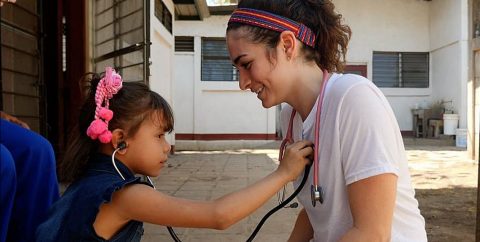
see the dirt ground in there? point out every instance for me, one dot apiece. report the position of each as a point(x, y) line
point(446, 188)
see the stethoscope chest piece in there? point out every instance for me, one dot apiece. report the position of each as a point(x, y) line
point(317, 194)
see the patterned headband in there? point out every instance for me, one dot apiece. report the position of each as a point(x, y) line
point(108, 86)
point(273, 22)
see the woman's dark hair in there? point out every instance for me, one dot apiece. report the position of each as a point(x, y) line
point(134, 103)
point(319, 15)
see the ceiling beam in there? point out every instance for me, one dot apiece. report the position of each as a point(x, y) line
point(202, 8)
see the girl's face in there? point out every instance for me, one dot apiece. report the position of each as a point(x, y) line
point(147, 151)
point(265, 72)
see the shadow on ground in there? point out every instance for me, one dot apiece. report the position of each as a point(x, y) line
point(449, 213)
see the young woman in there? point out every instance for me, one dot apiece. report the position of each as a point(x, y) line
point(290, 52)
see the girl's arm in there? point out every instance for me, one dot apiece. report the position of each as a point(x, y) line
point(139, 202)
point(372, 201)
point(303, 231)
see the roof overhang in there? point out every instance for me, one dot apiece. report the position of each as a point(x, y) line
point(199, 9)
point(191, 9)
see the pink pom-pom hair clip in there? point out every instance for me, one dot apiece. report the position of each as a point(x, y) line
point(108, 86)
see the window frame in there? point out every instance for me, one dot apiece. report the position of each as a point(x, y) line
point(140, 47)
point(226, 57)
point(401, 82)
point(163, 14)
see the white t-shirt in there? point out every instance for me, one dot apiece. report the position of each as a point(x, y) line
point(359, 138)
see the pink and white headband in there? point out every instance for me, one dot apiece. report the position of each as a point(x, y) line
point(108, 86)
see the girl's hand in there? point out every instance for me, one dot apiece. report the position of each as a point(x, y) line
point(297, 156)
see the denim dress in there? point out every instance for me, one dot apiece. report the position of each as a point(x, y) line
point(71, 218)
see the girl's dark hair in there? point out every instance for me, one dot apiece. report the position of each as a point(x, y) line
point(134, 103)
point(319, 15)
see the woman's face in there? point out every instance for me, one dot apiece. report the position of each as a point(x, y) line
point(264, 71)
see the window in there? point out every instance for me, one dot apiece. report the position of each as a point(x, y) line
point(184, 44)
point(216, 64)
point(22, 86)
point(122, 38)
point(401, 69)
point(163, 15)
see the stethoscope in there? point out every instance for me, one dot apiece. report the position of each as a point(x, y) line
point(121, 146)
point(317, 193)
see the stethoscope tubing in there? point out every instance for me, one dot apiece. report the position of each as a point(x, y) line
point(266, 216)
point(173, 234)
point(289, 135)
point(281, 205)
point(317, 130)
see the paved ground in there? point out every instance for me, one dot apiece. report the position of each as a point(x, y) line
point(443, 176)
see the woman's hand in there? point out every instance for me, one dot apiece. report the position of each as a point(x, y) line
point(297, 156)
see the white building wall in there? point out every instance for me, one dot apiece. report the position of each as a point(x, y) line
point(389, 25)
point(217, 107)
point(449, 54)
point(184, 86)
point(377, 25)
point(161, 57)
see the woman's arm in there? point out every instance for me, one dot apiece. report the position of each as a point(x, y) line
point(142, 203)
point(303, 231)
point(372, 201)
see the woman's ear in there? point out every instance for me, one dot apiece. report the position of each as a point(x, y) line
point(118, 136)
point(288, 42)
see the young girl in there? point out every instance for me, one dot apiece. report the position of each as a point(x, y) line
point(287, 52)
point(107, 202)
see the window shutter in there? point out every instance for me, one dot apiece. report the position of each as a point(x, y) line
point(386, 69)
point(415, 70)
point(216, 64)
point(184, 44)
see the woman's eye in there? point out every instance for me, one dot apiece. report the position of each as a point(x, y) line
point(247, 65)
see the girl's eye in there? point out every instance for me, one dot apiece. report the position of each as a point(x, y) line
point(161, 135)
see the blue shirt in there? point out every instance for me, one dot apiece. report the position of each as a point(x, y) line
point(71, 218)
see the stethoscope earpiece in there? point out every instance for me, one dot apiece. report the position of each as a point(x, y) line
point(122, 145)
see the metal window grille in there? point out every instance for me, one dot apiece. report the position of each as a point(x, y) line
point(216, 64)
point(122, 37)
point(22, 84)
point(184, 44)
point(401, 69)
